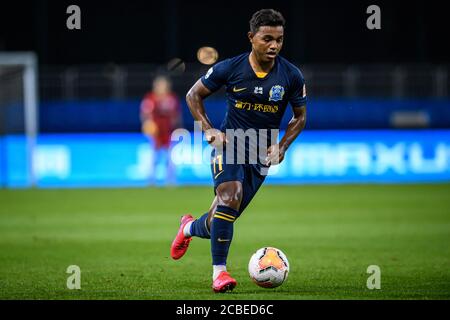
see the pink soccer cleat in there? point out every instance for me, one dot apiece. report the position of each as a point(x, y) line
point(181, 243)
point(224, 282)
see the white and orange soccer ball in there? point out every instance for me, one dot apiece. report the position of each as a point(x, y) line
point(268, 267)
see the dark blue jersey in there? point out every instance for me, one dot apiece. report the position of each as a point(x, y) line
point(253, 102)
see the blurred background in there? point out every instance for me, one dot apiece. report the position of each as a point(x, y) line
point(71, 101)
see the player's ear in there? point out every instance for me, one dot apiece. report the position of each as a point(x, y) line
point(250, 36)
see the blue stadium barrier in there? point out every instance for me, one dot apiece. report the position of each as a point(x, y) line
point(124, 160)
point(123, 116)
point(2, 163)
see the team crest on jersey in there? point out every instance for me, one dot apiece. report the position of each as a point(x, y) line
point(276, 93)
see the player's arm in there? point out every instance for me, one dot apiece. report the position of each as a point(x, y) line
point(295, 126)
point(148, 126)
point(275, 153)
point(146, 109)
point(194, 99)
point(297, 99)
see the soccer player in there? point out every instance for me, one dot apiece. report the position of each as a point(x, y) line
point(161, 114)
point(259, 85)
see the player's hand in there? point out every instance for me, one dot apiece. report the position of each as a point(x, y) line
point(149, 128)
point(275, 154)
point(215, 137)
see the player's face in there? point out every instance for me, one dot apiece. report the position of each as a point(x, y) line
point(161, 86)
point(267, 42)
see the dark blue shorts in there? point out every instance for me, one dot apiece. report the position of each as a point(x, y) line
point(247, 174)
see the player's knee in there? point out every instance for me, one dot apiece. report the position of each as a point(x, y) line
point(230, 200)
point(230, 195)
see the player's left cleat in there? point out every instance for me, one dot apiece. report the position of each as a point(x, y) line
point(181, 243)
point(223, 283)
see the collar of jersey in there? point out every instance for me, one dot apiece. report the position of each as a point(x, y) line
point(268, 73)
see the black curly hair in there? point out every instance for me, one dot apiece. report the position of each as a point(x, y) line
point(266, 17)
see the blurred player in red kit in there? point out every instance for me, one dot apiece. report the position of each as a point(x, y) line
point(160, 115)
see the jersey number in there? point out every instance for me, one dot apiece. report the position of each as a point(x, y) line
point(219, 161)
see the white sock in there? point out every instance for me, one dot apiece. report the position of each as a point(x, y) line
point(187, 229)
point(217, 269)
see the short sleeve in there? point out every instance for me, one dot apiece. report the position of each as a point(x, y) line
point(147, 105)
point(297, 97)
point(216, 76)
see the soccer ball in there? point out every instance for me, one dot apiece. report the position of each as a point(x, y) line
point(268, 267)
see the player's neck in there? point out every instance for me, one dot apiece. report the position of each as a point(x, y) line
point(260, 66)
point(160, 95)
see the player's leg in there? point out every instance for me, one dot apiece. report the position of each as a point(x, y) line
point(157, 145)
point(253, 180)
point(222, 173)
point(228, 179)
point(229, 197)
point(181, 242)
point(169, 169)
point(190, 227)
point(234, 197)
point(201, 227)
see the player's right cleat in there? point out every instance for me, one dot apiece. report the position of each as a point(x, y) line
point(223, 283)
point(181, 243)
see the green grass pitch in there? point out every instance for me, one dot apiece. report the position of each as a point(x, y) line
point(120, 239)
